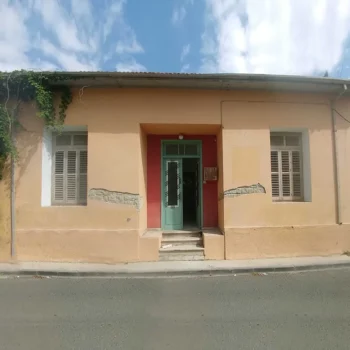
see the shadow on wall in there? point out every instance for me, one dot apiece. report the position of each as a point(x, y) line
point(5, 214)
point(27, 143)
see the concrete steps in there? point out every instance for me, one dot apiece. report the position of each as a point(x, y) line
point(183, 233)
point(181, 245)
point(180, 241)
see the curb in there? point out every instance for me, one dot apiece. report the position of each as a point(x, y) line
point(174, 273)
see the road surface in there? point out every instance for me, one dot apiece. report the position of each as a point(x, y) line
point(281, 311)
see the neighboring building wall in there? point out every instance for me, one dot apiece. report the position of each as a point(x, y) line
point(210, 191)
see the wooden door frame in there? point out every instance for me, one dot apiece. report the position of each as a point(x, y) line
point(200, 180)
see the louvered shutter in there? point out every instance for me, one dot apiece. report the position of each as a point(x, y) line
point(286, 173)
point(70, 169)
point(296, 173)
point(284, 155)
point(72, 177)
point(83, 176)
point(275, 174)
point(59, 173)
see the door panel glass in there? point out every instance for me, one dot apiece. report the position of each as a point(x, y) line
point(172, 183)
point(171, 150)
point(181, 149)
point(190, 150)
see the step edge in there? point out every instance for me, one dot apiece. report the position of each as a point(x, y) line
point(179, 246)
point(175, 232)
point(199, 235)
point(177, 250)
point(182, 239)
point(190, 246)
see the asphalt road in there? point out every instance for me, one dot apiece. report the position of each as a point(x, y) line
point(281, 311)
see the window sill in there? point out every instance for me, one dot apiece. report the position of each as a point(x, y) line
point(68, 206)
point(281, 201)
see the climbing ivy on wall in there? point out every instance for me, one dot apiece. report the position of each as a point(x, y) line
point(24, 86)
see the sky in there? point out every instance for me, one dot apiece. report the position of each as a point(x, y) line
point(297, 37)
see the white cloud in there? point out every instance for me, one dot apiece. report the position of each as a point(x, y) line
point(58, 22)
point(130, 65)
point(180, 11)
point(129, 46)
point(64, 35)
point(185, 51)
point(81, 9)
point(113, 13)
point(13, 38)
point(179, 14)
point(274, 36)
point(68, 61)
point(185, 68)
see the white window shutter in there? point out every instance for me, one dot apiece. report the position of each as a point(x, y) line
point(286, 172)
point(275, 174)
point(286, 183)
point(70, 169)
point(296, 173)
point(83, 164)
point(59, 176)
point(72, 177)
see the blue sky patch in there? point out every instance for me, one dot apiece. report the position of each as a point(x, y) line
point(200, 36)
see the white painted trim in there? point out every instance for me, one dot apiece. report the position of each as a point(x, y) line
point(305, 139)
point(46, 167)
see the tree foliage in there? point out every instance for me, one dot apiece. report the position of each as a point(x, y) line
point(44, 88)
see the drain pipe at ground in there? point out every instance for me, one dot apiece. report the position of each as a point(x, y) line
point(335, 157)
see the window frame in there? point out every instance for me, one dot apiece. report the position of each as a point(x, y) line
point(65, 149)
point(279, 149)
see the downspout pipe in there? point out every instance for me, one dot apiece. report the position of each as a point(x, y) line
point(336, 157)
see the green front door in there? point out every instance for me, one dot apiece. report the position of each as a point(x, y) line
point(174, 156)
point(172, 194)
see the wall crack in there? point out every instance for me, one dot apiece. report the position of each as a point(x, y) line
point(241, 190)
point(116, 197)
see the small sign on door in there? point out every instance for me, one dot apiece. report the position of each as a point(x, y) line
point(210, 174)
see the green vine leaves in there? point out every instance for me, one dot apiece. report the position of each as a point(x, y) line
point(23, 86)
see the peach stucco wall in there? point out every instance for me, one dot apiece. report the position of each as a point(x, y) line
point(247, 147)
point(5, 217)
point(253, 225)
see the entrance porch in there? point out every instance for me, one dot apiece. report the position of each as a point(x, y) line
point(181, 203)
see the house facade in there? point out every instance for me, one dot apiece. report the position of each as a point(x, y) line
point(157, 166)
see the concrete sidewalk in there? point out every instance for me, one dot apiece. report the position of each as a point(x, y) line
point(173, 268)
